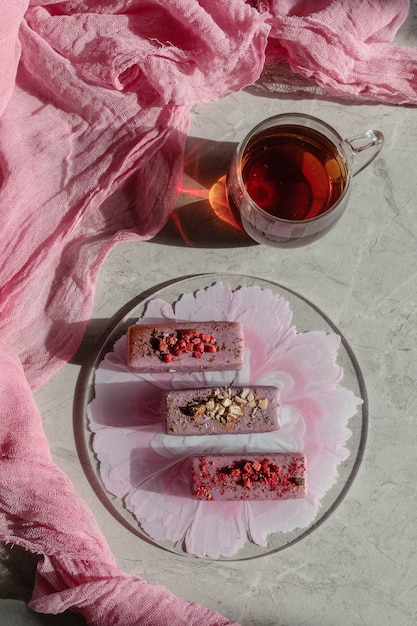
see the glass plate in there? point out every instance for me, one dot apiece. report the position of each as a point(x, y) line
point(306, 317)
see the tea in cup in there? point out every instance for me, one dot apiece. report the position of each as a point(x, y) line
point(290, 178)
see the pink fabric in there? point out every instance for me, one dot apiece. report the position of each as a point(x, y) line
point(94, 104)
point(345, 46)
point(117, 100)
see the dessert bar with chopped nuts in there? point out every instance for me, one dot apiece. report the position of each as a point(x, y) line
point(221, 410)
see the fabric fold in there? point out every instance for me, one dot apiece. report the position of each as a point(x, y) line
point(116, 599)
point(188, 52)
point(10, 46)
point(346, 47)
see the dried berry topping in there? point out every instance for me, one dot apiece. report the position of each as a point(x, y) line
point(280, 476)
point(168, 347)
point(246, 473)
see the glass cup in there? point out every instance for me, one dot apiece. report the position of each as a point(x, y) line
point(290, 178)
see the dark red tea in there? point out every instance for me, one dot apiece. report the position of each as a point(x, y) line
point(293, 172)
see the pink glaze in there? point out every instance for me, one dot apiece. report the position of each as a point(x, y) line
point(261, 476)
point(221, 410)
point(185, 346)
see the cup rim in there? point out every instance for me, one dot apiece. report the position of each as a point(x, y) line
point(243, 144)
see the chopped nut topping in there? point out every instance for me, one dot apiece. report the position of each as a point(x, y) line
point(225, 406)
point(244, 392)
point(263, 403)
point(234, 409)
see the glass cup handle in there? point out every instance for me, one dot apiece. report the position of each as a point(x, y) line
point(364, 148)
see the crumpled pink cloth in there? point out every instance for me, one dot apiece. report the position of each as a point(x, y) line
point(346, 46)
point(94, 104)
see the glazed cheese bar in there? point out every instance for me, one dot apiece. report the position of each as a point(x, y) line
point(263, 476)
point(221, 410)
point(185, 346)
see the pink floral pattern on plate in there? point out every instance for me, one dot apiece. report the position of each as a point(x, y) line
point(148, 470)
